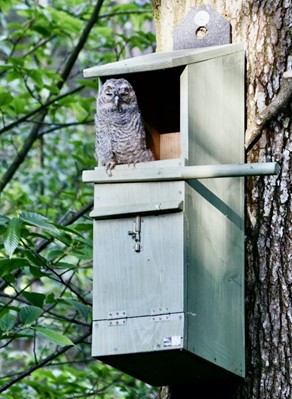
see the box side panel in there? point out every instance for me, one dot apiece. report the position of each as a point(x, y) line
point(216, 110)
point(215, 209)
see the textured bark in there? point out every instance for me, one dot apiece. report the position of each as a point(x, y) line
point(265, 28)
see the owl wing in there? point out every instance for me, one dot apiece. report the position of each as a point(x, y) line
point(103, 144)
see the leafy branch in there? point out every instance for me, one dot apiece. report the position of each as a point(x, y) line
point(43, 107)
point(43, 362)
point(33, 136)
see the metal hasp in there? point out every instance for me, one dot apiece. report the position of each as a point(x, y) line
point(136, 234)
point(177, 281)
point(201, 27)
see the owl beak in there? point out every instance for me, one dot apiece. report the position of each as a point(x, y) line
point(116, 101)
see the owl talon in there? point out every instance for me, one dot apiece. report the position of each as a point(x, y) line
point(109, 166)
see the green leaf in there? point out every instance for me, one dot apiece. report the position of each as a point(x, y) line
point(29, 314)
point(4, 219)
point(54, 336)
point(83, 253)
point(88, 83)
point(18, 105)
point(35, 219)
point(35, 298)
point(36, 272)
point(12, 236)
point(51, 298)
point(7, 322)
point(5, 5)
point(8, 265)
point(34, 258)
point(5, 98)
point(82, 309)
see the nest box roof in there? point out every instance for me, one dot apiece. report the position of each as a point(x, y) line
point(162, 60)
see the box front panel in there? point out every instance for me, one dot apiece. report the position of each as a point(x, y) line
point(138, 278)
point(138, 335)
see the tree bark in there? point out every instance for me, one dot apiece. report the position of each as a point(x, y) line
point(265, 28)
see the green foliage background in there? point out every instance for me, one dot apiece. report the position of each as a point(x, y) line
point(46, 139)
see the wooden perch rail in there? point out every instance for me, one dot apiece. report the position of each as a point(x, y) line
point(147, 172)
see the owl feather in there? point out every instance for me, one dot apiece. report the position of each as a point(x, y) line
point(120, 132)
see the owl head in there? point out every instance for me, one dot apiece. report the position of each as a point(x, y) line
point(117, 95)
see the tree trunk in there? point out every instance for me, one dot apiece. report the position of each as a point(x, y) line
point(265, 28)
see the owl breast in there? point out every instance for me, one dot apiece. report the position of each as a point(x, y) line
point(120, 133)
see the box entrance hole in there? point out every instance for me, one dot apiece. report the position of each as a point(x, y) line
point(158, 94)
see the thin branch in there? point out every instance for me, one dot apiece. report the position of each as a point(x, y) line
point(32, 50)
point(57, 316)
point(83, 38)
point(75, 216)
point(66, 284)
point(43, 362)
point(53, 315)
point(54, 364)
point(59, 276)
point(65, 125)
point(83, 361)
point(44, 243)
point(38, 45)
point(129, 12)
point(39, 109)
point(254, 131)
point(20, 157)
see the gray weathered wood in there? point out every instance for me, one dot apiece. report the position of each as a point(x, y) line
point(216, 232)
point(191, 259)
point(158, 61)
point(140, 173)
point(137, 334)
point(137, 282)
point(141, 209)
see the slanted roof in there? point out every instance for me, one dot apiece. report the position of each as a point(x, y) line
point(163, 60)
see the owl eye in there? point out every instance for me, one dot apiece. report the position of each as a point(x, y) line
point(125, 93)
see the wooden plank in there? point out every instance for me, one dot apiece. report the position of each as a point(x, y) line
point(135, 209)
point(138, 282)
point(216, 234)
point(170, 145)
point(184, 118)
point(147, 174)
point(153, 141)
point(123, 278)
point(125, 195)
point(138, 335)
point(163, 60)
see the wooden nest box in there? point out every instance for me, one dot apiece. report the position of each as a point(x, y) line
point(168, 290)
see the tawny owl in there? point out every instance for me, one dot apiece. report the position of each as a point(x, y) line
point(120, 133)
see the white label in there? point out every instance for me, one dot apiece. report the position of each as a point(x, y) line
point(175, 340)
point(202, 18)
point(171, 341)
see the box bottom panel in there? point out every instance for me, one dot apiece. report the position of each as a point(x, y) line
point(170, 367)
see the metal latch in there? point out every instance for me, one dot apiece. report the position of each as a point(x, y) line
point(136, 234)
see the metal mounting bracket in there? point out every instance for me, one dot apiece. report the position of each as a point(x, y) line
point(201, 27)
